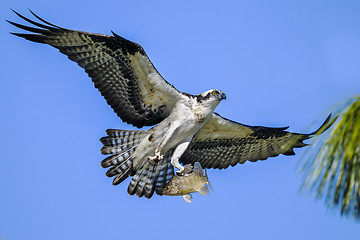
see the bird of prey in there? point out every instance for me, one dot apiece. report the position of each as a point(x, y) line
point(185, 128)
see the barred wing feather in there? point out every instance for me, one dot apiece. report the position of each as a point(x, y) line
point(222, 142)
point(119, 68)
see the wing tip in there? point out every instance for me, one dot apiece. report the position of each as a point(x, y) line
point(325, 126)
point(49, 26)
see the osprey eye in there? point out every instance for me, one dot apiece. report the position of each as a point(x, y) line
point(214, 93)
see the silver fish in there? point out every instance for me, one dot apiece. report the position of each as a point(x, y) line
point(191, 180)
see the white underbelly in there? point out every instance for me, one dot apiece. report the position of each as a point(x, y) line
point(185, 124)
point(184, 132)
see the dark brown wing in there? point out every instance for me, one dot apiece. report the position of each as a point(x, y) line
point(119, 68)
point(222, 142)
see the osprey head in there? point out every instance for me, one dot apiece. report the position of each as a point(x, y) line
point(211, 95)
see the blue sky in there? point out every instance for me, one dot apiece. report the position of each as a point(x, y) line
point(279, 62)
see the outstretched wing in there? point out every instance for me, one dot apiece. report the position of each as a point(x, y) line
point(222, 142)
point(119, 68)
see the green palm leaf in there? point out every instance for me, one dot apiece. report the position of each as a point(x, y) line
point(332, 166)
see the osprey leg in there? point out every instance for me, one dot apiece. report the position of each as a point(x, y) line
point(169, 133)
point(179, 151)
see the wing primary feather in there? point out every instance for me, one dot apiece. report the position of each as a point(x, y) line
point(44, 21)
point(325, 126)
point(222, 142)
point(30, 29)
point(33, 22)
point(119, 68)
point(31, 37)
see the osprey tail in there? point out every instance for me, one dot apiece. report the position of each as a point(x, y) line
point(148, 177)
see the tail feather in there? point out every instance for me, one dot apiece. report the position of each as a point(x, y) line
point(121, 177)
point(157, 181)
point(125, 133)
point(119, 141)
point(120, 168)
point(149, 187)
point(147, 179)
point(144, 179)
point(117, 158)
point(122, 145)
point(152, 177)
point(134, 181)
point(166, 173)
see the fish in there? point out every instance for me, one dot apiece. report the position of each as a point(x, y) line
point(192, 179)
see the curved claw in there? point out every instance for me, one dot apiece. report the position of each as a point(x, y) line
point(157, 158)
point(181, 170)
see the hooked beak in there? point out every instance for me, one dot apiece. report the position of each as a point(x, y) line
point(223, 96)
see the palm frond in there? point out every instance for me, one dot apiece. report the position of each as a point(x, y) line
point(332, 164)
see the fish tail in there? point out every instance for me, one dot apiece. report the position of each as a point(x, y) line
point(207, 180)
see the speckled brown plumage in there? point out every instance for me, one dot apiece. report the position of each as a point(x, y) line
point(110, 61)
point(222, 142)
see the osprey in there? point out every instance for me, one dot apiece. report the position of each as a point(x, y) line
point(186, 128)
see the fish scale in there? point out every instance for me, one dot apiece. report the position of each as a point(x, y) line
point(191, 180)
